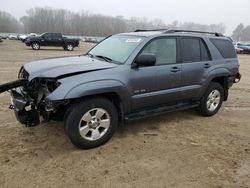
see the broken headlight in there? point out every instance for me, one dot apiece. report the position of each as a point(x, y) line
point(52, 85)
point(23, 74)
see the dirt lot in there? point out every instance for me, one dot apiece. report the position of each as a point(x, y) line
point(179, 149)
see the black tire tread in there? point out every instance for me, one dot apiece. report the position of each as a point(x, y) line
point(202, 107)
point(77, 110)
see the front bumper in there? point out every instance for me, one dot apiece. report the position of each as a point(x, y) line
point(25, 111)
point(28, 43)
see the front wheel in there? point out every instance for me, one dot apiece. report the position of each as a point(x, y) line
point(212, 99)
point(91, 123)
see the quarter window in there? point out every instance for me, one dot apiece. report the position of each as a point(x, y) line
point(164, 49)
point(225, 47)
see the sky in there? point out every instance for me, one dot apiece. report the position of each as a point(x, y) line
point(229, 12)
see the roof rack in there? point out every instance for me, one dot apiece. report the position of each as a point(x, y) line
point(181, 31)
point(190, 31)
point(148, 30)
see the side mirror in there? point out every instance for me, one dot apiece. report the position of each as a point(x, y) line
point(146, 59)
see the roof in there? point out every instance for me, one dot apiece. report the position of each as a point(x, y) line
point(143, 33)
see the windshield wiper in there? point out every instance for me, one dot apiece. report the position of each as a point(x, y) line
point(104, 57)
point(107, 59)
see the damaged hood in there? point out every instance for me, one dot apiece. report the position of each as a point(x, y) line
point(63, 67)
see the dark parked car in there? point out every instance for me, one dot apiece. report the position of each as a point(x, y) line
point(1, 40)
point(245, 48)
point(126, 77)
point(52, 39)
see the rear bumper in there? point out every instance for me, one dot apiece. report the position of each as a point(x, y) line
point(19, 103)
point(237, 78)
point(234, 79)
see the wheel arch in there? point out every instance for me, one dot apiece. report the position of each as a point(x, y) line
point(113, 97)
point(221, 76)
point(223, 81)
point(36, 41)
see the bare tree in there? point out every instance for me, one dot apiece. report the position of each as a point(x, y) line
point(238, 32)
point(8, 23)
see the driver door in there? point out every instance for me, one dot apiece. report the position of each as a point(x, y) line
point(159, 84)
point(47, 39)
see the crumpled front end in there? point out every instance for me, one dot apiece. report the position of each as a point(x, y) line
point(28, 99)
point(24, 108)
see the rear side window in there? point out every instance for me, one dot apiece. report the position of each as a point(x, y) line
point(47, 35)
point(225, 47)
point(194, 50)
point(56, 35)
point(205, 55)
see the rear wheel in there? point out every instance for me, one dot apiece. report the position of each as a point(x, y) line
point(69, 47)
point(212, 100)
point(91, 123)
point(35, 46)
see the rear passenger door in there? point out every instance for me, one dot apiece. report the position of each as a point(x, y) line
point(57, 39)
point(196, 62)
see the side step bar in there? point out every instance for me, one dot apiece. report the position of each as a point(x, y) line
point(159, 111)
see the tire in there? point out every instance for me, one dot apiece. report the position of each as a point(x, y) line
point(69, 47)
point(91, 123)
point(35, 46)
point(212, 100)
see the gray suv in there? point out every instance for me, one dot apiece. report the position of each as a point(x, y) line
point(126, 77)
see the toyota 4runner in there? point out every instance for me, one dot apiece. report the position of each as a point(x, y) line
point(126, 77)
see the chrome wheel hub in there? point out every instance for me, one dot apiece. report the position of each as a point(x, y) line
point(213, 100)
point(36, 46)
point(70, 47)
point(94, 124)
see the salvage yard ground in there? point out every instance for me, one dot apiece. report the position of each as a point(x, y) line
point(180, 149)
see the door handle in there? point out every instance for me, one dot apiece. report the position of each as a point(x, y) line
point(175, 69)
point(207, 65)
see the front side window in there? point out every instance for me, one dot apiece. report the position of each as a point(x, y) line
point(117, 48)
point(47, 35)
point(164, 49)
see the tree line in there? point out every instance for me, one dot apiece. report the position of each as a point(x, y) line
point(241, 33)
point(8, 23)
point(39, 20)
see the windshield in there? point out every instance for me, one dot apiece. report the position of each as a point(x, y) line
point(41, 34)
point(117, 48)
